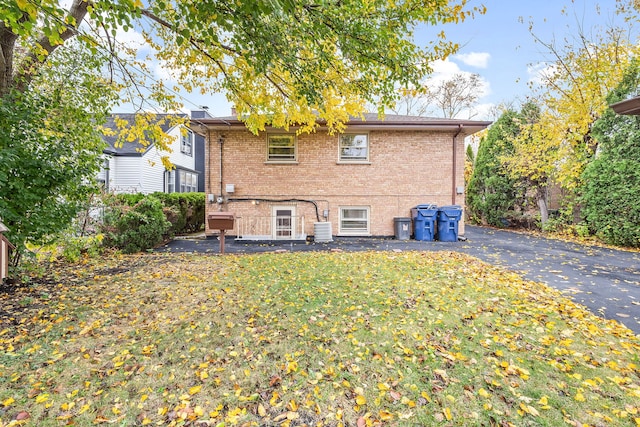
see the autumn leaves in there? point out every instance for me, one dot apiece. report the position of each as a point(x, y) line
point(352, 339)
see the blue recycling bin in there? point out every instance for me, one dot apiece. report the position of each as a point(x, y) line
point(424, 222)
point(448, 218)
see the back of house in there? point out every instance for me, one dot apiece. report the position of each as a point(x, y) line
point(284, 185)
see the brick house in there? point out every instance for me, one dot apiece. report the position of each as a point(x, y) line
point(284, 186)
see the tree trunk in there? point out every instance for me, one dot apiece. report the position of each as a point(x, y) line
point(7, 48)
point(25, 71)
point(542, 204)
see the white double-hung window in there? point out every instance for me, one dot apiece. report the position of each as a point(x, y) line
point(188, 182)
point(354, 220)
point(170, 181)
point(281, 148)
point(354, 148)
point(186, 142)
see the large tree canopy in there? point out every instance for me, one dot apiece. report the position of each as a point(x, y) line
point(279, 61)
point(580, 72)
point(49, 147)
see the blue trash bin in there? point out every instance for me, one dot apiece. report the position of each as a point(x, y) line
point(448, 218)
point(424, 222)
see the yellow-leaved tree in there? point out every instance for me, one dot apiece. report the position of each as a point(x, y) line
point(281, 62)
point(554, 149)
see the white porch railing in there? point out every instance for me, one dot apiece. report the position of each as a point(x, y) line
point(270, 228)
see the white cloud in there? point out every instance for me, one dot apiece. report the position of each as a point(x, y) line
point(444, 67)
point(539, 73)
point(445, 70)
point(165, 73)
point(131, 39)
point(474, 59)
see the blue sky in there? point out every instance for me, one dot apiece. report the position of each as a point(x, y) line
point(497, 45)
point(500, 48)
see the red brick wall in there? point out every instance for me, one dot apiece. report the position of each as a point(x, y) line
point(405, 168)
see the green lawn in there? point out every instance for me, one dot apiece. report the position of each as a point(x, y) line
point(353, 339)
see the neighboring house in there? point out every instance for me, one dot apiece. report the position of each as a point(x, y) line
point(137, 168)
point(199, 149)
point(286, 186)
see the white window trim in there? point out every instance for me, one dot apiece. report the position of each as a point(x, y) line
point(365, 161)
point(283, 161)
point(184, 186)
point(170, 181)
point(351, 232)
point(186, 148)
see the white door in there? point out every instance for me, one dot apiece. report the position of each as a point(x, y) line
point(283, 224)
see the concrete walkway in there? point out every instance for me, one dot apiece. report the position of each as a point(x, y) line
point(607, 281)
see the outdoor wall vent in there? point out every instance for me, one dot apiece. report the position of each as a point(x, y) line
point(231, 188)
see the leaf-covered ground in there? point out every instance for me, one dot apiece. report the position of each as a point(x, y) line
point(353, 339)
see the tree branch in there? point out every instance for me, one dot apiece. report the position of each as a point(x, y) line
point(33, 61)
point(192, 40)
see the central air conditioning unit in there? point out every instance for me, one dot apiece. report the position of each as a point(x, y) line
point(322, 232)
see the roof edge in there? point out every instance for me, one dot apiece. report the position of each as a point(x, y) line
point(629, 106)
point(220, 123)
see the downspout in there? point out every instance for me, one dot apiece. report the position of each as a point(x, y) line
point(453, 169)
point(208, 187)
point(107, 169)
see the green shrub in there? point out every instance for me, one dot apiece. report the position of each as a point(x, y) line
point(135, 228)
point(611, 194)
point(492, 193)
point(189, 210)
point(129, 199)
point(612, 180)
point(73, 248)
point(195, 214)
point(555, 224)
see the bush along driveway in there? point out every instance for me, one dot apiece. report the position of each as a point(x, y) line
point(607, 281)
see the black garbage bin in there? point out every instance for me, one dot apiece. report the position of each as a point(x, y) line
point(402, 228)
point(448, 218)
point(424, 221)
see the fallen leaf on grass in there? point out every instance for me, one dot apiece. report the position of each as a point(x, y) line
point(22, 415)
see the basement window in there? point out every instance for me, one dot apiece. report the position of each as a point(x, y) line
point(354, 220)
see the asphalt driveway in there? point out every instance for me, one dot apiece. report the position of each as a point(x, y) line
point(607, 281)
